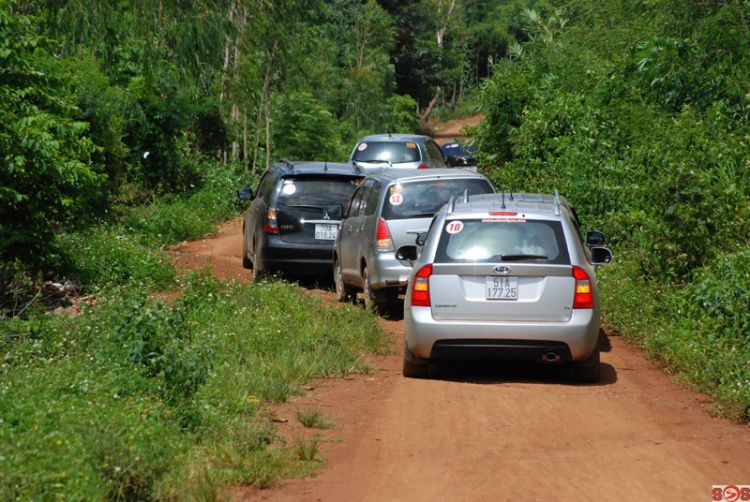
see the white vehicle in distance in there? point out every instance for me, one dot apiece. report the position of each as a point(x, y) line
point(504, 276)
point(379, 152)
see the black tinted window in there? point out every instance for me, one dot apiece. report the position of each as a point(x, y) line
point(425, 198)
point(501, 240)
point(390, 152)
point(317, 192)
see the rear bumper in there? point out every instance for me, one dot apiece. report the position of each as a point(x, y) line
point(573, 340)
point(277, 254)
point(388, 272)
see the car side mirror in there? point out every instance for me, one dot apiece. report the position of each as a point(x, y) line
point(595, 238)
point(421, 239)
point(245, 194)
point(453, 161)
point(600, 256)
point(335, 211)
point(407, 253)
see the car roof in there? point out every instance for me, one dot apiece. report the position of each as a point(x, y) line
point(396, 138)
point(526, 202)
point(390, 175)
point(290, 168)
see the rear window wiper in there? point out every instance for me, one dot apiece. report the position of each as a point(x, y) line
point(375, 161)
point(521, 257)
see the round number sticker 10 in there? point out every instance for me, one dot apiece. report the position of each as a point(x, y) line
point(454, 227)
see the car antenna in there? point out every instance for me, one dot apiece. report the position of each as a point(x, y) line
point(325, 167)
point(503, 206)
point(511, 195)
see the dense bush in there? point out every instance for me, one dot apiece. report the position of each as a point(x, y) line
point(136, 399)
point(650, 141)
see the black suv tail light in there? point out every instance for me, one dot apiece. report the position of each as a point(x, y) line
point(272, 226)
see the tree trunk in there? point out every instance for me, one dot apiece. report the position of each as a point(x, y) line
point(426, 116)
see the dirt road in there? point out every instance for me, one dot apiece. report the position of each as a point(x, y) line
point(489, 434)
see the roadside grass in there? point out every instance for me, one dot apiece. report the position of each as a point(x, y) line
point(139, 399)
point(314, 419)
point(696, 332)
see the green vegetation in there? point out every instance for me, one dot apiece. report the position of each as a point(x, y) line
point(125, 128)
point(638, 113)
point(138, 399)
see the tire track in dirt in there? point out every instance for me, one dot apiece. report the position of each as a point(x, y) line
point(510, 433)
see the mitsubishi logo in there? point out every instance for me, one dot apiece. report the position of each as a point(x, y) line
point(502, 270)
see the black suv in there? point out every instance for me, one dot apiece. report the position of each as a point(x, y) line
point(288, 227)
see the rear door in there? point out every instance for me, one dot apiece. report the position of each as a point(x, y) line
point(502, 270)
point(351, 238)
point(409, 207)
point(302, 204)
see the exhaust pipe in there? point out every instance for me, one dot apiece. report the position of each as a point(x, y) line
point(551, 357)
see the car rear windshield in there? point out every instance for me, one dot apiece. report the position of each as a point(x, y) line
point(392, 152)
point(422, 199)
point(502, 240)
point(316, 192)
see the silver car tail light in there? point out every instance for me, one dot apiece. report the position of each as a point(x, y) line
point(420, 292)
point(584, 296)
point(384, 242)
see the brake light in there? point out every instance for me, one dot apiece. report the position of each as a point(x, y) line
point(584, 297)
point(272, 226)
point(384, 242)
point(420, 292)
point(423, 166)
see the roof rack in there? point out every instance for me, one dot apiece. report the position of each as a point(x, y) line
point(288, 162)
point(557, 203)
point(466, 196)
point(451, 204)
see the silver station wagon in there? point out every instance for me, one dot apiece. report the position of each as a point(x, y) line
point(504, 276)
point(390, 209)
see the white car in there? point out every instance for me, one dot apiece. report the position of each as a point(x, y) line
point(504, 276)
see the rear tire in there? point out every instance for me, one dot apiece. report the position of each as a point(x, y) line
point(589, 370)
point(344, 292)
point(412, 368)
point(246, 262)
point(258, 272)
point(371, 299)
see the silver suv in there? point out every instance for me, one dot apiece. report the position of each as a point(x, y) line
point(504, 276)
point(389, 209)
point(403, 151)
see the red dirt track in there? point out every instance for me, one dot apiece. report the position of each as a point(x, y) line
point(499, 434)
point(488, 434)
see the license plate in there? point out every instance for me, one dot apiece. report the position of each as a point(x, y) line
point(502, 288)
point(326, 232)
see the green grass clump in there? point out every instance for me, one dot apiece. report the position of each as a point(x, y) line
point(138, 399)
point(110, 256)
point(314, 419)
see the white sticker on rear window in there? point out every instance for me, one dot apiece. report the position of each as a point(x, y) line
point(396, 199)
point(289, 189)
point(362, 147)
point(454, 227)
